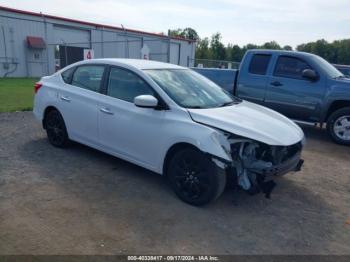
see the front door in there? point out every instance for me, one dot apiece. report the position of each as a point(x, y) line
point(131, 132)
point(291, 94)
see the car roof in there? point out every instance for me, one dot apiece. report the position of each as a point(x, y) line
point(342, 66)
point(136, 63)
point(280, 52)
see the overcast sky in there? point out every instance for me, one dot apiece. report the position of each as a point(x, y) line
point(239, 21)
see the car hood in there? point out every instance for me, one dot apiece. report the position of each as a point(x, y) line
point(251, 121)
point(339, 87)
point(342, 81)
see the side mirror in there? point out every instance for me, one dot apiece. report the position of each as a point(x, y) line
point(310, 74)
point(147, 101)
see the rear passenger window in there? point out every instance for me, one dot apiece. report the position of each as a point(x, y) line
point(125, 85)
point(291, 67)
point(259, 64)
point(88, 77)
point(67, 75)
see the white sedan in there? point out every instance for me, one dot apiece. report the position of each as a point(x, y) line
point(170, 120)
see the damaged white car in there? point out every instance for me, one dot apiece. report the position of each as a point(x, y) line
point(172, 121)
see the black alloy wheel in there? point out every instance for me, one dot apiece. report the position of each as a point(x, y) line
point(195, 178)
point(56, 129)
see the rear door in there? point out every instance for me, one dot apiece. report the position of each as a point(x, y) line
point(291, 94)
point(79, 102)
point(253, 78)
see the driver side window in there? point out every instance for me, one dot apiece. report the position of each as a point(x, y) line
point(125, 85)
point(290, 67)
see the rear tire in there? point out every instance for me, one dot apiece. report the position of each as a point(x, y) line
point(338, 126)
point(56, 129)
point(194, 177)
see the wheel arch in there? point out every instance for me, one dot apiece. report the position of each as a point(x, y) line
point(336, 105)
point(47, 110)
point(172, 151)
point(331, 123)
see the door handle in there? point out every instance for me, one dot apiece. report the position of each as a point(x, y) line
point(106, 111)
point(65, 98)
point(276, 83)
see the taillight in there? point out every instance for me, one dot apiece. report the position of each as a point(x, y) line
point(37, 87)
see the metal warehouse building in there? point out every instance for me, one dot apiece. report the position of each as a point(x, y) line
point(35, 44)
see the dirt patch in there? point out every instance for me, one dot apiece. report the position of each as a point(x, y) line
point(81, 201)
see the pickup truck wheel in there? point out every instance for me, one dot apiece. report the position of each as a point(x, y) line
point(338, 126)
point(195, 179)
point(56, 129)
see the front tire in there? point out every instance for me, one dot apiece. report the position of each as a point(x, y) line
point(56, 129)
point(338, 126)
point(194, 177)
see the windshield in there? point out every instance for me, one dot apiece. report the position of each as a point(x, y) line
point(329, 69)
point(190, 89)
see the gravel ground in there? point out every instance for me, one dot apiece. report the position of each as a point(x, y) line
point(81, 201)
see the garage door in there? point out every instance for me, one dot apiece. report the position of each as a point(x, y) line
point(71, 36)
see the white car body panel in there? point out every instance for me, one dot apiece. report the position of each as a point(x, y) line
point(130, 130)
point(142, 135)
point(80, 113)
point(251, 121)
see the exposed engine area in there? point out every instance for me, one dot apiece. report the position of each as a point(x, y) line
point(254, 164)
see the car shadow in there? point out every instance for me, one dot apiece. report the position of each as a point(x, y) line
point(134, 209)
point(318, 141)
point(316, 133)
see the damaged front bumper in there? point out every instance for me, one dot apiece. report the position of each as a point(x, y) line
point(293, 164)
point(254, 164)
point(264, 178)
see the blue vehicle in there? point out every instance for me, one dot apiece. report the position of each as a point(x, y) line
point(345, 69)
point(301, 86)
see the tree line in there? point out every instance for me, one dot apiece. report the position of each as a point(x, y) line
point(336, 52)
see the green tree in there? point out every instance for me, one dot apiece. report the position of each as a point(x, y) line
point(203, 49)
point(188, 33)
point(250, 46)
point(213, 48)
point(271, 45)
point(288, 48)
point(329, 51)
point(342, 51)
point(234, 53)
point(175, 32)
point(218, 50)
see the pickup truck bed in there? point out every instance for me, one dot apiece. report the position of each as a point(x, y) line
point(225, 78)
